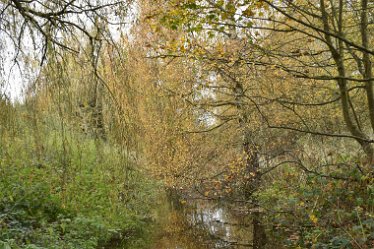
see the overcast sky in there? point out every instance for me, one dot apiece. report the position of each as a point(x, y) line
point(12, 82)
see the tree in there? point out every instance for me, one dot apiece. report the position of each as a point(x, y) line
point(48, 24)
point(310, 41)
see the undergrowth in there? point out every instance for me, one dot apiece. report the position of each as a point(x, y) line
point(81, 196)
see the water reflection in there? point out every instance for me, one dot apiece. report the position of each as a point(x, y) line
point(199, 224)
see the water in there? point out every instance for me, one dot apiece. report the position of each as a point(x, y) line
point(199, 224)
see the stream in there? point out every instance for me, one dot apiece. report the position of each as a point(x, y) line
point(198, 224)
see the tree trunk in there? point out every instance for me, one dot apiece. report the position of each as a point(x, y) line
point(368, 74)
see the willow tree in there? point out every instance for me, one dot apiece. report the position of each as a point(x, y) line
point(36, 31)
point(48, 24)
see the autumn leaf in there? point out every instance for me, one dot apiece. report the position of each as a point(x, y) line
point(313, 218)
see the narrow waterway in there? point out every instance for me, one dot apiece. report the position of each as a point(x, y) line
point(198, 224)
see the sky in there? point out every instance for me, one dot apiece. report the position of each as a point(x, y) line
point(12, 82)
